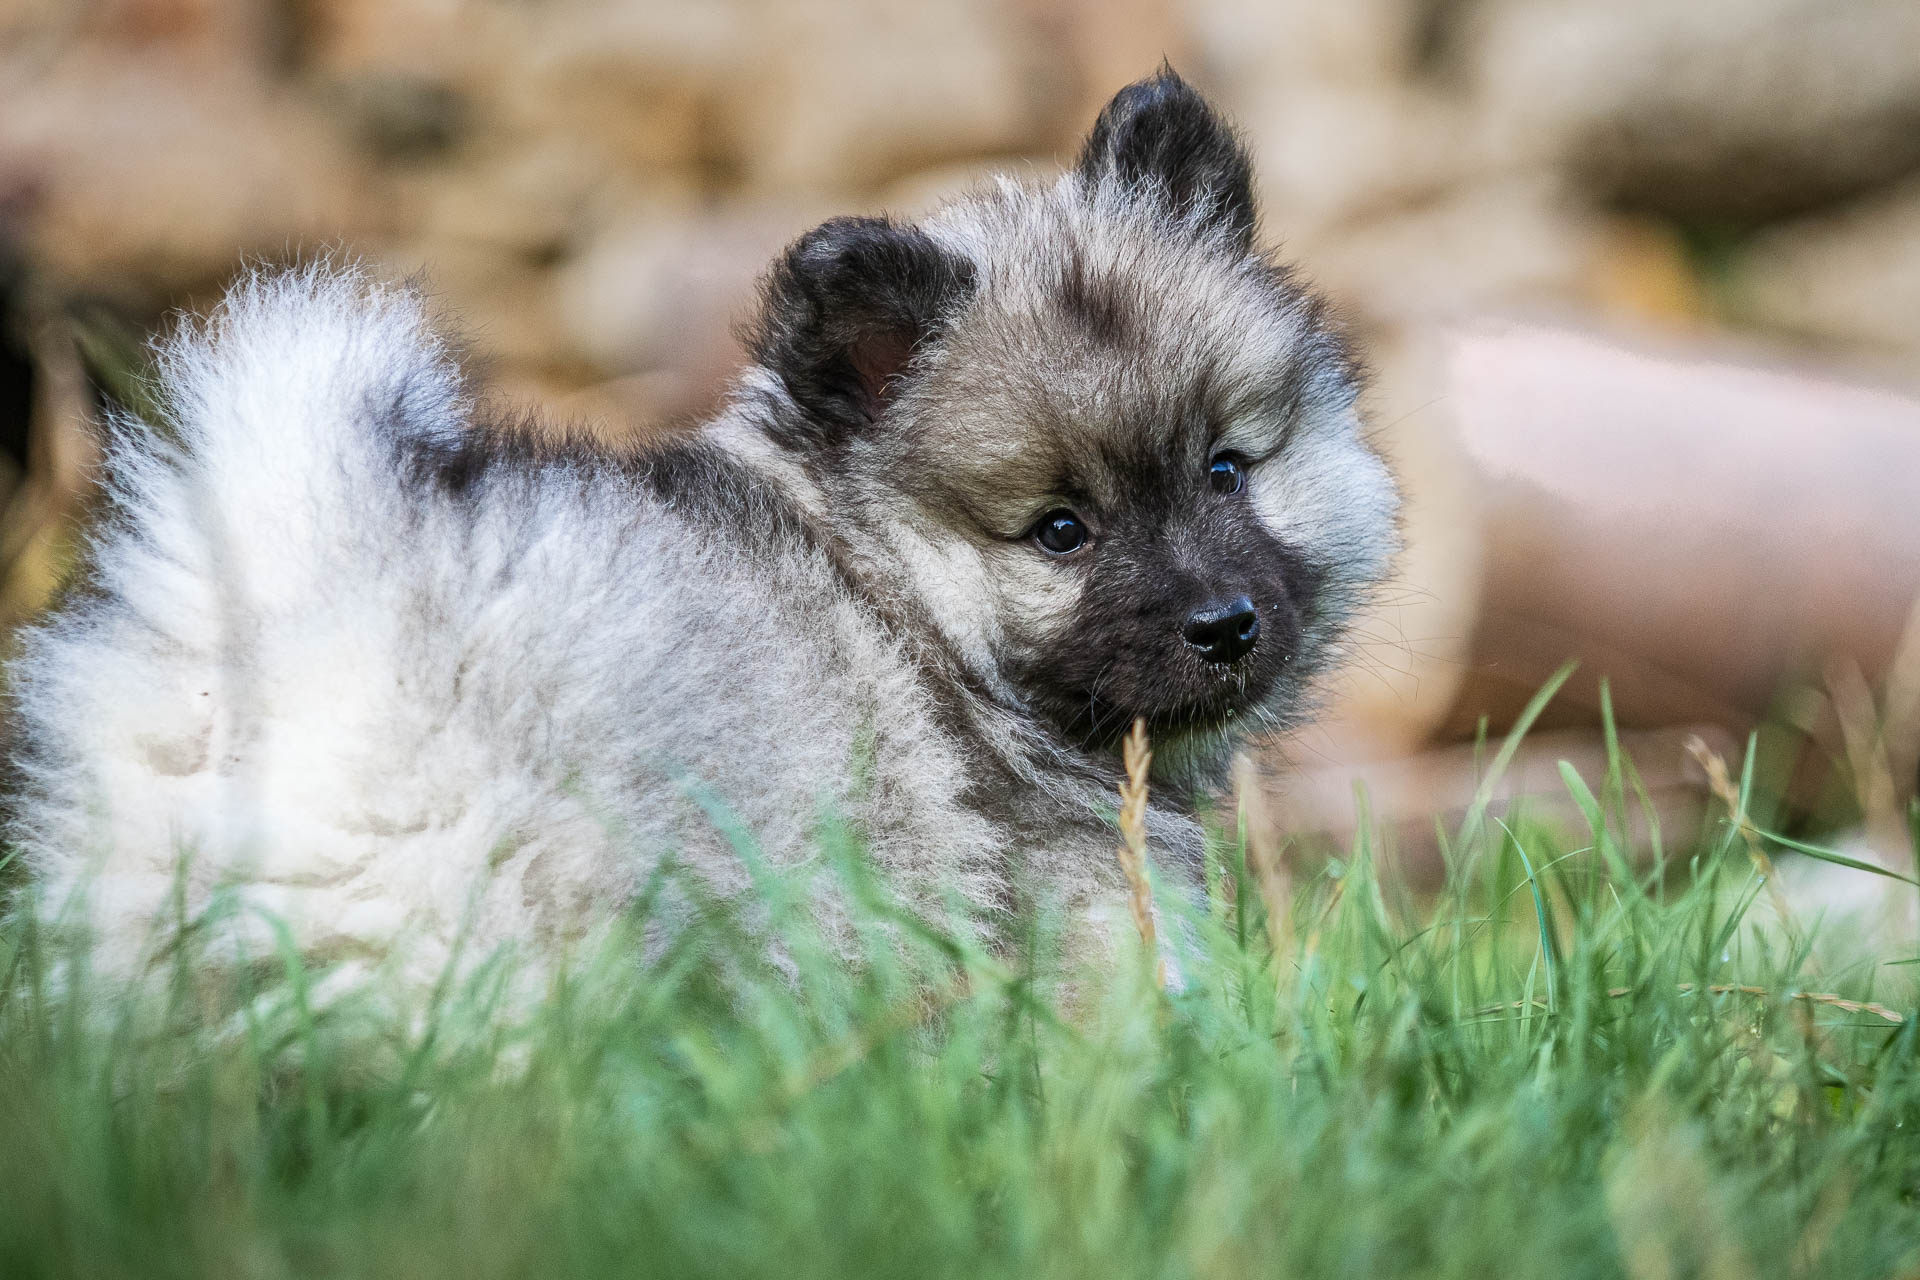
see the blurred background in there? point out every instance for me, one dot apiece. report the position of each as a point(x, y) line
point(1640, 282)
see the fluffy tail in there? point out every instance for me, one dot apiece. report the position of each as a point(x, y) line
point(143, 711)
point(284, 413)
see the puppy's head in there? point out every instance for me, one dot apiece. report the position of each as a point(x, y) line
point(1109, 449)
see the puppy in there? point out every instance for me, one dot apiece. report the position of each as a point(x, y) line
point(993, 487)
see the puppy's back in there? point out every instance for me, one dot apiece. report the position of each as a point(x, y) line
point(402, 683)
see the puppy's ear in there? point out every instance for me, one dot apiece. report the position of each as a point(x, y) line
point(1159, 136)
point(843, 310)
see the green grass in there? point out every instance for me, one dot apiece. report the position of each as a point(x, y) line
point(1530, 1074)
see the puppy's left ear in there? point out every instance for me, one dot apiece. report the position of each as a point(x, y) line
point(844, 310)
point(1160, 137)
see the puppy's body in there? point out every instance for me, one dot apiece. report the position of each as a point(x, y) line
point(975, 507)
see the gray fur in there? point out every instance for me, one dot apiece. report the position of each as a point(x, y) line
point(401, 676)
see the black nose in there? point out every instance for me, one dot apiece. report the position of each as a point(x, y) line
point(1223, 630)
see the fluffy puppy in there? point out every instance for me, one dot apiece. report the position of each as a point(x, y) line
point(993, 486)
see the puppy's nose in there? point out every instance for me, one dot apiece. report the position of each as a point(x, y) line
point(1223, 630)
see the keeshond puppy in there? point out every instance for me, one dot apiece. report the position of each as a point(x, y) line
point(993, 486)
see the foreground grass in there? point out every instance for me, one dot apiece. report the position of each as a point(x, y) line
point(1561, 1066)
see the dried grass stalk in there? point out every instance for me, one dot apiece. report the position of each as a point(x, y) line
point(1266, 859)
point(1874, 782)
point(1720, 782)
point(1801, 999)
point(1902, 720)
point(1136, 756)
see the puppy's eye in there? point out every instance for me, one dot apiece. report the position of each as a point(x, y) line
point(1227, 474)
point(1060, 532)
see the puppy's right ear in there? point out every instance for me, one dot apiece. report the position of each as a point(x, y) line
point(843, 311)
